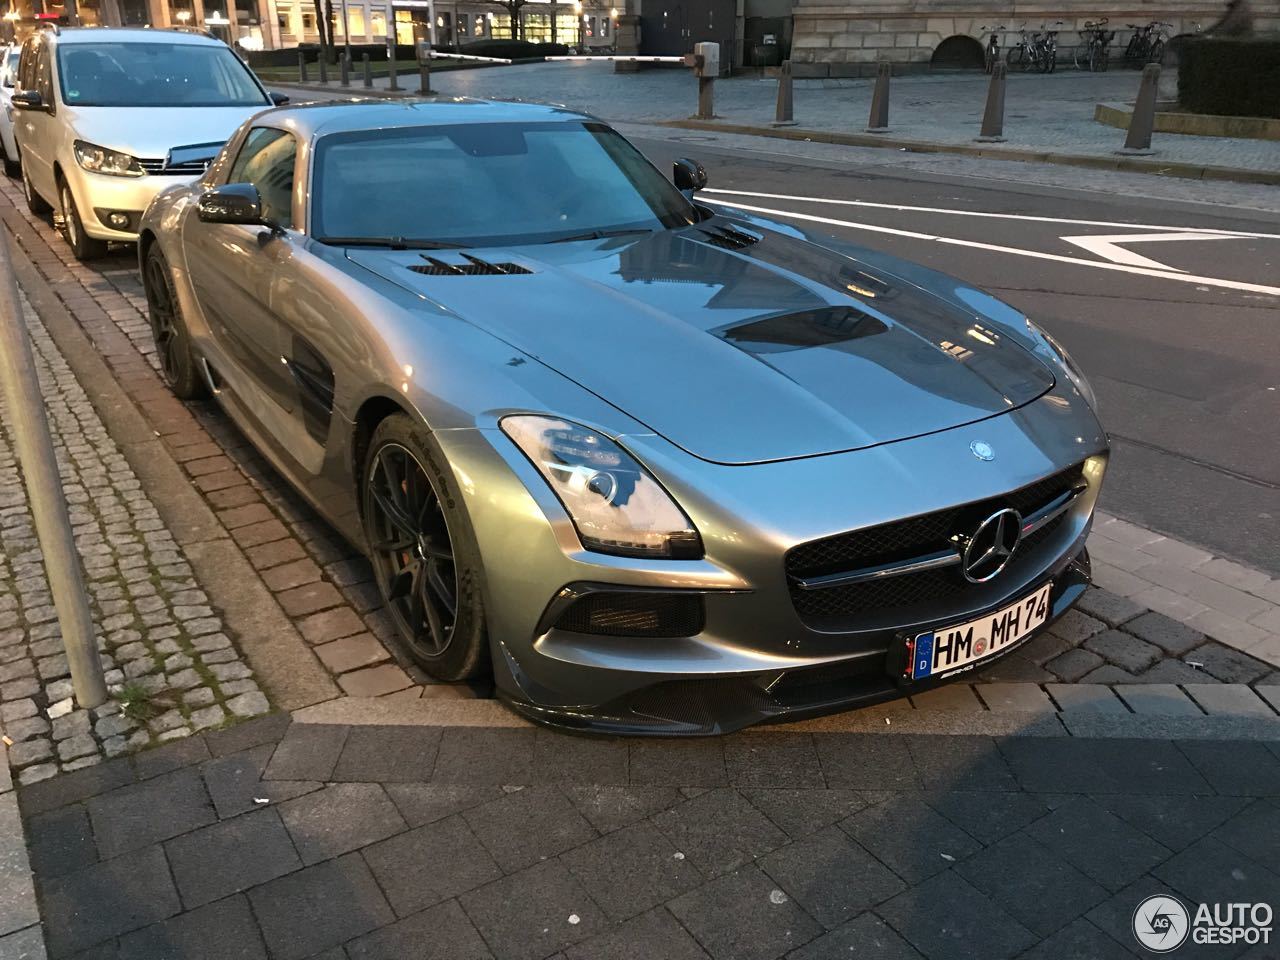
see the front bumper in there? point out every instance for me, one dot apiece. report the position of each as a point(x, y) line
point(96, 196)
point(750, 517)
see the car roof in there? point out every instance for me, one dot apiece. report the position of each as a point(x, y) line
point(323, 119)
point(72, 35)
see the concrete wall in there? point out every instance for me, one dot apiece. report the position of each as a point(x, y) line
point(842, 38)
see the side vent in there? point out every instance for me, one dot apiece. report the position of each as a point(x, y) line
point(732, 238)
point(473, 267)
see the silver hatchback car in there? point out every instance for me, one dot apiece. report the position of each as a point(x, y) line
point(662, 468)
point(107, 118)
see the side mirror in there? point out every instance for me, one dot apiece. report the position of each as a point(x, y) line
point(277, 98)
point(232, 203)
point(28, 100)
point(689, 176)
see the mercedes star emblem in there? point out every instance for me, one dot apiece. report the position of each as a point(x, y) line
point(982, 450)
point(991, 547)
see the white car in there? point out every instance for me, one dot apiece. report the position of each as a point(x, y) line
point(107, 119)
point(8, 74)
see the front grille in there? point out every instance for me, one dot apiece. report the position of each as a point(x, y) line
point(635, 614)
point(835, 607)
point(187, 168)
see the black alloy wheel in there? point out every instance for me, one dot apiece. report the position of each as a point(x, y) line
point(420, 546)
point(173, 345)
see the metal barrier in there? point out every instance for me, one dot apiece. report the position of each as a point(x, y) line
point(344, 70)
point(993, 117)
point(34, 448)
point(784, 115)
point(625, 59)
point(878, 122)
point(392, 83)
point(1138, 139)
point(368, 71)
point(437, 55)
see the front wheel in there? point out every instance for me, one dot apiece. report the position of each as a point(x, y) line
point(168, 330)
point(423, 551)
point(82, 245)
point(35, 203)
point(12, 166)
point(1156, 53)
point(1016, 58)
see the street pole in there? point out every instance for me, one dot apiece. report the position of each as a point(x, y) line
point(44, 490)
point(346, 33)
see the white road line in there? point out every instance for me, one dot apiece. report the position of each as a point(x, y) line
point(1109, 247)
point(1013, 251)
point(995, 216)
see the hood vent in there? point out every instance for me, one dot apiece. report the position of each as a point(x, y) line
point(474, 267)
point(731, 238)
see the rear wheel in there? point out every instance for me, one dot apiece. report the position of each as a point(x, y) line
point(35, 203)
point(12, 165)
point(173, 343)
point(1156, 53)
point(423, 551)
point(82, 245)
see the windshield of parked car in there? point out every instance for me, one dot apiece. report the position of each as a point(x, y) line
point(490, 184)
point(122, 74)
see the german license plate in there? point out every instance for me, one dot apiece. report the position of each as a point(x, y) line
point(942, 652)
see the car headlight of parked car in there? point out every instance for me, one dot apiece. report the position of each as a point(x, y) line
point(111, 162)
point(615, 503)
point(1069, 367)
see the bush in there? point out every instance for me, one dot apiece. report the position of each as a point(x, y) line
point(1230, 76)
point(513, 49)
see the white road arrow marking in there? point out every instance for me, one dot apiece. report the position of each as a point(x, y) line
point(1107, 247)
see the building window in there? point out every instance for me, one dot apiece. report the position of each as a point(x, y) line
point(379, 20)
point(284, 18)
point(355, 21)
point(308, 21)
point(604, 26)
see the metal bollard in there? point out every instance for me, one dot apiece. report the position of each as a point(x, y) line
point(324, 67)
point(1143, 122)
point(368, 73)
point(392, 83)
point(424, 69)
point(35, 452)
point(784, 116)
point(344, 71)
point(879, 120)
point(706, 68)
point(993, 118)
point(302, 67)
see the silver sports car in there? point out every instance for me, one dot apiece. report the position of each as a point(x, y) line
point(662, 468)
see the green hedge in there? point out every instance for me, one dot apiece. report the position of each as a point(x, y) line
point(1230, 76)
point(511, 49)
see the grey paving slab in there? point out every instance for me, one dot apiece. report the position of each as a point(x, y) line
point(744, 916)
point(831, 876)
point(431, 863)
point(61, 841)
point(388, 754)
point(235, 783)
point(987, 816)
point(533, 913)
point(648, 936)
point(1175, 822)
point(231, 856)
point(558, 759)
point(220, 931)
point(442, 932)
point(17, 894)
point(1085, 697)
point(631, 870)
point(800, 812)
point(1159, 699)
point(1014, 697)
point(1210, 871)
point(910, 837)
point(549, 824)
point(1098, 843)
point(866, 761)
point(687, 763)
point(864, 936)
point(131, 891)
point(297, 914)
point(768, 759)
point(307, 752)
point(944, 916)
point(485, 756)
point(1078, 940)
point(949, 697)
point(719, 831)
point(25, 944)
point(960, 763)
point(1255, 832)
point(1037, 886)
point(340, 818)
point(157, 809)
point(421, 803)
point(608, 807)
point(1230, 699)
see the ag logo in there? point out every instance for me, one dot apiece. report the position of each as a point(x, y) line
point(1161, 923)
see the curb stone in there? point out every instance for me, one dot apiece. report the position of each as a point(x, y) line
point(21, 936)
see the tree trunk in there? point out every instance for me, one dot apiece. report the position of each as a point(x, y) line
point(322, 27)
point(333, 33)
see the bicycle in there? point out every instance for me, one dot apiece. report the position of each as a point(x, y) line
point(1027, 52)
point(992, 53)
point(1147, 43)
point(1049, 49)
point(1094, 47)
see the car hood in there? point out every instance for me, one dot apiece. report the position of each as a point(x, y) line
point(151, 132)
point(779, 349)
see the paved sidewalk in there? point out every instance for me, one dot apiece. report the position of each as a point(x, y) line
point(413, 842)
point(1045, 115)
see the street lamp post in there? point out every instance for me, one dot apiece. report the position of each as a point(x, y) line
point(577, 15)
point(346, 34)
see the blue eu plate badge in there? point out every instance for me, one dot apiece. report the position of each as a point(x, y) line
point(924, 655)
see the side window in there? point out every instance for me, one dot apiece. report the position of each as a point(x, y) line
point(44, 75)
point(27, 64)
point(266, 160)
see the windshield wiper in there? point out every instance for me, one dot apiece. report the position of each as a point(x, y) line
point(600, 235)
point(393, 243)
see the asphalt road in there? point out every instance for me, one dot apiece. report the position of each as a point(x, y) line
point(1186, 366)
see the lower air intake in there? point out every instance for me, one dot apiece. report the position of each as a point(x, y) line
point(635, 614)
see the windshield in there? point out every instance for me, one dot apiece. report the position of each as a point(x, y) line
point(154, 75)
point(488, 184)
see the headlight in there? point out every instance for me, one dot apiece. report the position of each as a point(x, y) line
point(616, 505)
point(1069, 366)
point(111, 162)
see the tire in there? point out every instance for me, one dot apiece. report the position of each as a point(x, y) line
point(35, 203)
point(169, 330)
point(82, 245)
point(1156, 52)
point(1052, 61)
point(424, 554)
point(12, 168)
point(1103, 60)
point(1016, 58)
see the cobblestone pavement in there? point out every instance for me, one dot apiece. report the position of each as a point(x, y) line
point(389, 843)
point(1051, 113)
point(169, 664)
